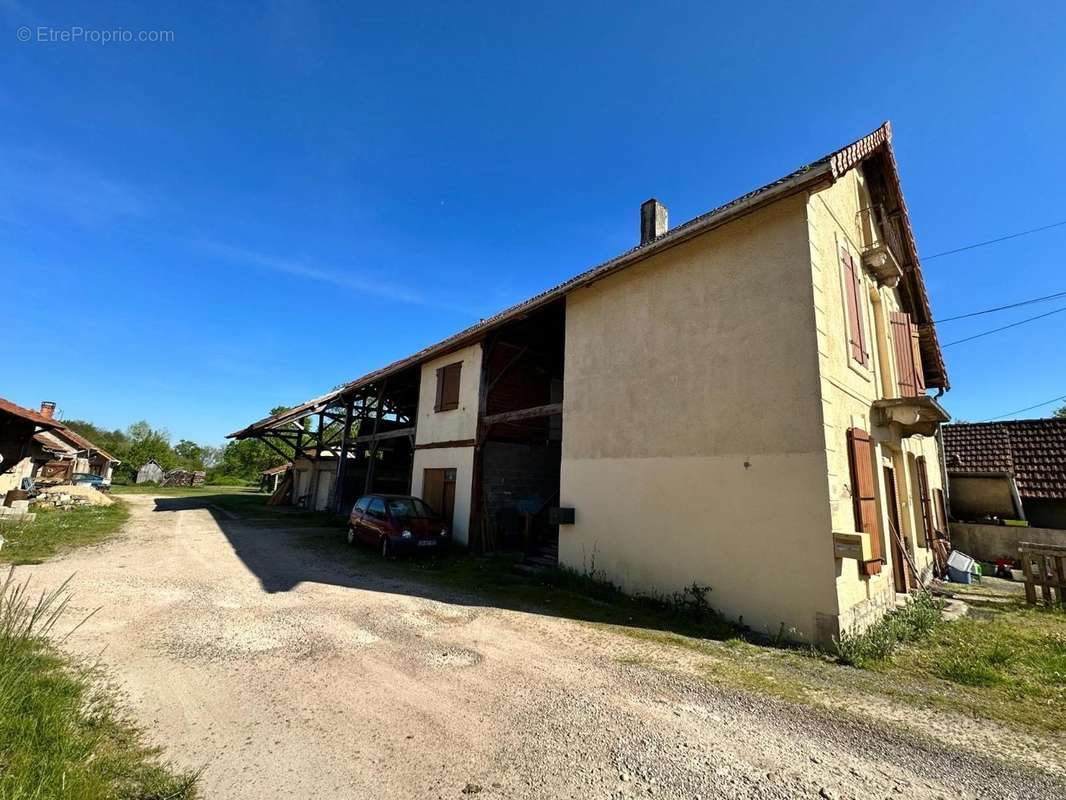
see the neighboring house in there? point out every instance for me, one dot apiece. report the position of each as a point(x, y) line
point(20, 452)
point(738, 402)
point(150, 472)
point(1008, 470)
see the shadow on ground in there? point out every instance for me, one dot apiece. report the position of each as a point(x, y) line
point(284, 547)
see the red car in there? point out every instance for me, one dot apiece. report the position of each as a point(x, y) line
point(396, 523)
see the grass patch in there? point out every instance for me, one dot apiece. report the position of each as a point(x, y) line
point(916, 621)
point(61, 735)
point(58, 531)
point(1006, 663)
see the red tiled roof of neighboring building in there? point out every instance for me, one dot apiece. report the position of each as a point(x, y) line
point(6, 406)
point(1032, 450)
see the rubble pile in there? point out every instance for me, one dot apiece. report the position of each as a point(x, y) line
point(71, 496)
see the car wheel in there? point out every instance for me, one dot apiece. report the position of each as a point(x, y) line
point(385, 549)
point(351, 535)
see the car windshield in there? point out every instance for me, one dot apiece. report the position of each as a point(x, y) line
point(409, 508)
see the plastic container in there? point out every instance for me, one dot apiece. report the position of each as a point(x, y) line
point(956, 575)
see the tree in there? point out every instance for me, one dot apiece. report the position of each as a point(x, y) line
point(189, 455)
point(147, 443)
point(1060, 413)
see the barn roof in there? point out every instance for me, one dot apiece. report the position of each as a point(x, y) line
point(829, 168)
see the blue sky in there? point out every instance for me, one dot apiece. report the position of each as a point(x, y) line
point(289, 195)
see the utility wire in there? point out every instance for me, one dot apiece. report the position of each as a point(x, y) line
point(994, 241)
point(1005, 327)
point(1002, 308)
point(1030, 408)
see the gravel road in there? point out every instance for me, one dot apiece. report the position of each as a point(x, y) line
point(282, 674)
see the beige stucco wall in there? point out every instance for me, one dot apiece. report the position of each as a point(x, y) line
point(461, 459)
point(12, 479)
point(457, 424)
point(848, 391)
point(692, 442)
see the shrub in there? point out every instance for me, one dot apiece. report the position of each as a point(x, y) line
point(916, 621)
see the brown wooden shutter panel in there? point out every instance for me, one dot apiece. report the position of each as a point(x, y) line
point(903, 349)
point(941, 511)
point(438, 403)
point(927, 501)
point(864, 487)
point(853, 290)
point(916, 360)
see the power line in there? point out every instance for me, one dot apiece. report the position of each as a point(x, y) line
point(994, 241)
point(1002, 308)
point(1030, 408)
point(1005, 327)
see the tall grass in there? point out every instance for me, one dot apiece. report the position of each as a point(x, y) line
point(61, 734)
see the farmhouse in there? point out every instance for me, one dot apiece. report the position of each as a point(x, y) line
point(738, 402)
point(54, 453)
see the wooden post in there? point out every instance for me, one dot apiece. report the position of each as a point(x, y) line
point(477, 511)
point(342, 465)
point(373, 456)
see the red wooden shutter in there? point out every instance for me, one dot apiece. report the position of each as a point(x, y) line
point(903, 349)
point(853, 292)
point(916, 360)
point(864, 487)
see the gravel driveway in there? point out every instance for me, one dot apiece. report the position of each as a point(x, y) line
point(285, 675)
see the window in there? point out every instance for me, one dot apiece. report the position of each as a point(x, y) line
point(864, 488)
point(401, 508)
point(376, 508)
point(448, 387)
point(910, 379)
point(362, 503)
point(855, 306)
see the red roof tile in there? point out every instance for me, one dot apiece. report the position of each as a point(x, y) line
point(24, 413)
point(1032, 450)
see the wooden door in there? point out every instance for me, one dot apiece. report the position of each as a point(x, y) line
point(438, 490)
point(899, 565)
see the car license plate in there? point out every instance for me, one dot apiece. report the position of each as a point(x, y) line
point(426, 542)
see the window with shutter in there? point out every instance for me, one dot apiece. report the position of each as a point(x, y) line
point(853, 297)
point(906, 348)
point(448, 387)
point(864, 488)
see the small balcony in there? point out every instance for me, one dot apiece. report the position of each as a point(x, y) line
point(881, 247)
point(910, 416)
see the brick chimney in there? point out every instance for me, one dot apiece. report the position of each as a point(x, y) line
point(653, 220)
point(48, 408)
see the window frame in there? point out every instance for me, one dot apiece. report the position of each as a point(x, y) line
point(441, 402)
